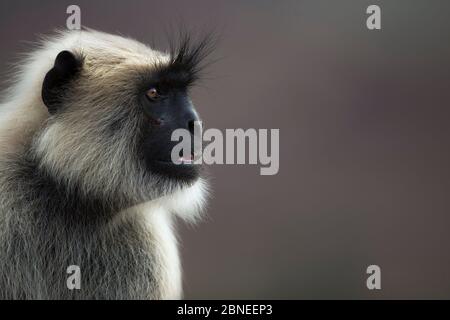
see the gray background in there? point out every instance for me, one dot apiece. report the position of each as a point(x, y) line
point(363, 117)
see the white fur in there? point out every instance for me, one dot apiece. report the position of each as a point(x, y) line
point(70, 150)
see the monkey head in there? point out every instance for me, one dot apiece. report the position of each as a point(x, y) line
point(112, 106)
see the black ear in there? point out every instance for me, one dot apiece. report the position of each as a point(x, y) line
point(66, 68)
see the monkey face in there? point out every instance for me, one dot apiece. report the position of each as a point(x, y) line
point(168, 108)
point(112, 115)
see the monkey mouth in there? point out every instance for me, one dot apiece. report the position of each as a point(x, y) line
point(183, 170)
point(188, 160)
point(185, 161)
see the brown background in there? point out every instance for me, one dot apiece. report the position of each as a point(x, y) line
point(363, 117)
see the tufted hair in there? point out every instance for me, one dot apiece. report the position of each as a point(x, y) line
point(73, 189)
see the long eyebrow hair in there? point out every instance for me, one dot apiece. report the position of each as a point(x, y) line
point(188, 58)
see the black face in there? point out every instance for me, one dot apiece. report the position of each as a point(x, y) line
point(164, 101)
point(168, 109)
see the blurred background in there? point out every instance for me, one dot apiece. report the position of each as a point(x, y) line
point(364, 140)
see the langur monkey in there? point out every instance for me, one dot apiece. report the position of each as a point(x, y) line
point(86, 176)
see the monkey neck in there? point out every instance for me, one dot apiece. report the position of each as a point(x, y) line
point(50, 227)
point(57, 201)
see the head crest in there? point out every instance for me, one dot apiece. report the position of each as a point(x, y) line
point(189, 55)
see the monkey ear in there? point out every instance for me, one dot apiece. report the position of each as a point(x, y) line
point(66, 68)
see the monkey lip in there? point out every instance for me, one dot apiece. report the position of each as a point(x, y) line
point(184, 169)
point(189, 160)
point(183, 160)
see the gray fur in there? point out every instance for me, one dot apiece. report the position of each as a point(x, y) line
point(72, 188)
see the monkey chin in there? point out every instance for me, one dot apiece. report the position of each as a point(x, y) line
point(184, 172)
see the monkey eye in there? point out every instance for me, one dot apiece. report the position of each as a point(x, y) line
point(153, 94)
